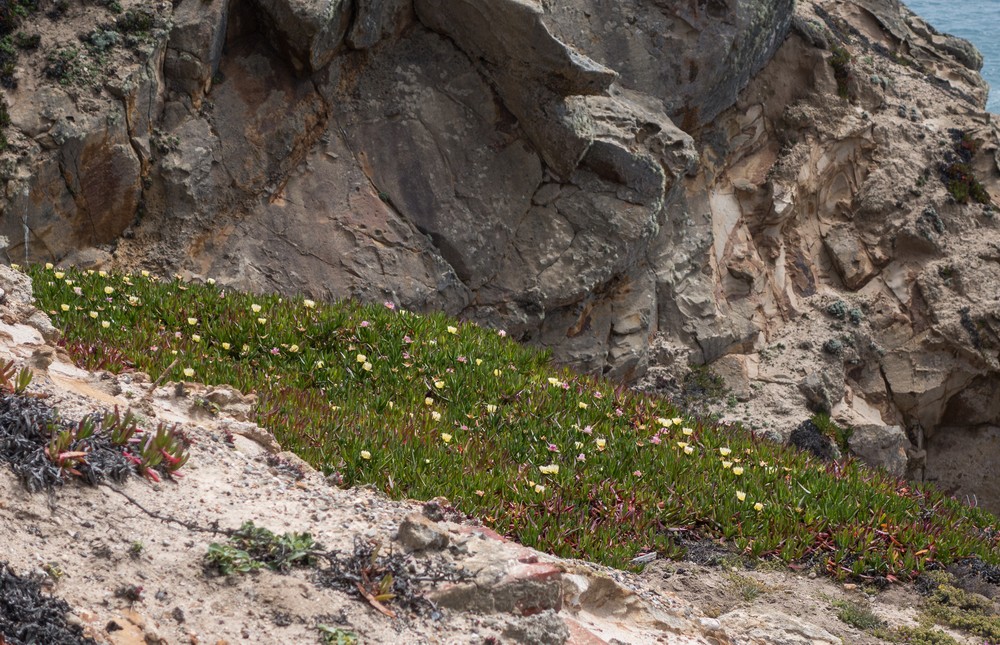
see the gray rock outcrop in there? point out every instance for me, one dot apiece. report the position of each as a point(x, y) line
point(554, 169)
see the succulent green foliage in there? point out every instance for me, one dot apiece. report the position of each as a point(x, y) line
point(423, 406)
point(251, 547)
point(957, 173)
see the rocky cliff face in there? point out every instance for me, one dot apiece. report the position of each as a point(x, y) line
point(790, 196)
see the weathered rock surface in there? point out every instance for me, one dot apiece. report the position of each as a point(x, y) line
point(552, 168)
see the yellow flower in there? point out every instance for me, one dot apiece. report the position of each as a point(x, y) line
point(109, 290)
point(437, 417)
point(102, 273)
point(740, 495)
point(16, 267)
point(554, 381)
point(132, 300)
point(727, 464)
point(192, 321)
point(245, 348)
point(491, 408)
point(64, 307)
point(666, 423)
point(428, 400)
point(366, 455)
point(578, 444)
point(59, 275)
point(600, 443)
point(366, 367)
point(445, 437)
point(49, 266)
point(93, 314)
point(678, 421)
point(361, 358)
point(188, 372)
point(682, 444)
point(688, 450)
point(196, 338)
point(293, 349)
point(497, 372)
point(439, 384)
point(255, 308)
point(539, 489)
point(758, 507)
point(479, 361)
point(69, 283)
point(210, 281)
point(551, 469)
point(725, 452)
point(226, 346)
point(145, 274)
point(480, 492)
point(452, 330)
point(687, 432)
point(582, 405)
point(738, 470)
point(105, 324)
point(262, 321)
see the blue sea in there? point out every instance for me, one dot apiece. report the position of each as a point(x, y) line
point(975, 20)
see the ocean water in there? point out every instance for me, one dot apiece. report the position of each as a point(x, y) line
point(975, 20)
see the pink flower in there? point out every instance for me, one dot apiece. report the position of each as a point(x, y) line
point(389, 305)
point(365, 323)
point(502, 333)
point(154, 348)
point(407, 340)
point(598, 395)
point(618, 412)
point(406, 355)
point(655, 439)
point(581, 457)
point(587, 430)
point(462, 359)
point(275, 351)
point(638, 473)
point(553, 447)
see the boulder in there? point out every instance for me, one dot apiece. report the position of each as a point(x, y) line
point(418, 533)
point(309, 31)
point(881, 447)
